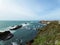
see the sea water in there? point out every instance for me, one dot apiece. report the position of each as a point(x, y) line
point(25, 34)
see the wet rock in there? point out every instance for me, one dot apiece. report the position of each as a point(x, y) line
point(6, 35)
point(17, 27)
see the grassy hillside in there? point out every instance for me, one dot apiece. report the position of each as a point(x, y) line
point(48, 35)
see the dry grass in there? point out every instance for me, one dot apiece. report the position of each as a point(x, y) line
point(49, 35)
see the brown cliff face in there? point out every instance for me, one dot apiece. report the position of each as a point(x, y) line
point(30, 42)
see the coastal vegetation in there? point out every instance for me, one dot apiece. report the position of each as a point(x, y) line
point(48, 35)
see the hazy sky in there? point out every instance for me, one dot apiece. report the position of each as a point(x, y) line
point(29, 9)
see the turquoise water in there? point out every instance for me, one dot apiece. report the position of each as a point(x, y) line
point(24, 34)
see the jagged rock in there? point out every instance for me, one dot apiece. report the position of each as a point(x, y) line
point(17, 27)
point(6, 35)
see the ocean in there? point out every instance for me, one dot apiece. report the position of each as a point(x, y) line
point(25, 34)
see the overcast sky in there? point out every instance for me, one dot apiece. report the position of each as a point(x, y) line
point(29, 9)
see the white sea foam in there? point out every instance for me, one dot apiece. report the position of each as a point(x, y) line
point(14, 43)
point(7, 29)
point(13, 31)
point(25, 24)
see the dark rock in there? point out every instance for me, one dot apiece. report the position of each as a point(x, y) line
point(5, 35)
point(30, 42)
point(17, 27)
